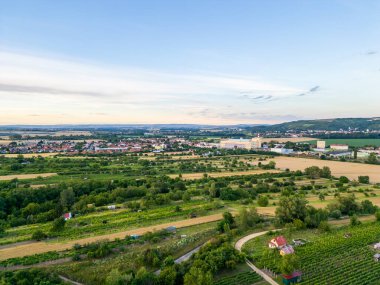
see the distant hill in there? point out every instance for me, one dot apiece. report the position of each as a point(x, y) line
point(361, 124)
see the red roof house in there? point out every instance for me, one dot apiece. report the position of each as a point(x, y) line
point(277, 242)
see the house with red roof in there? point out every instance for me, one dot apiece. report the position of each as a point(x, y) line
point(277, 242)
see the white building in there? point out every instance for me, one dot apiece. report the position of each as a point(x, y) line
point(321, 144)
point(281, 150)
point(339, 147)
point(240, 143)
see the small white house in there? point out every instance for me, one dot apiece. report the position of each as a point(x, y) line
point(111, 207)
point(377, 246)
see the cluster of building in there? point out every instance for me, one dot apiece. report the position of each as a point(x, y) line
point(38, 146)
point(97, 146)
point(255, 144)
point(282, 245)
point(343, 150)
point(333, 150)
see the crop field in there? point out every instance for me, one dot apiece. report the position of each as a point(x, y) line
point(351, 142)
point(333, 258)
point(284, 140)
point(338, 168)
point(244, 278)
point(26, 176)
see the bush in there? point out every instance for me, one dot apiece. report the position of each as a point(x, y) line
point(336, 214)
point(263, 201)
point(354, 221)
point(58, 224)
point(377, 216)
point(363, 179)
point(324, 227)
point(39, 235)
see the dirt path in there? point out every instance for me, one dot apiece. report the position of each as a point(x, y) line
point(41, 247)
point(223, 174)
point(240, 243)
point(26, 176)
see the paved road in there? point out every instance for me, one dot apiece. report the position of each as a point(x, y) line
point(239, 244)
point(69, 280)
point(184, 257)
point(187, 256)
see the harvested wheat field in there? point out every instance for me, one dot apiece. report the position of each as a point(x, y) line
point(293, 140)
point(222, 174)
point(338, 168)
point(5, 142)
point(26, 176)
point(41, 247)
point(29, 155)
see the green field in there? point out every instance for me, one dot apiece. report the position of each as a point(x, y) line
point(351, 142)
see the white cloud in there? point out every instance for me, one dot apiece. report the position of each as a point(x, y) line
point(32, 84)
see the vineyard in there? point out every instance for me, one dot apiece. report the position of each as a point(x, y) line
point(244, 278)
point(334, 259)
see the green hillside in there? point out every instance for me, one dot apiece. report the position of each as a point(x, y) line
point(325, 124)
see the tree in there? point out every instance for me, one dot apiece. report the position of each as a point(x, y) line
point(67, 198)
point(347, 204)
point(324, 226)
point(372, 159)
point(196, 277)
point(326, 172)
point(117, 278)
point(291, 208)
point(168, 261)
point(248, 218)
point(368, 207)
point(298, 224)
point(167, 276)
point(39, 235)
point(289, 264)
point(344, 179)
point(377, 215)
point(58, 224)
point(321, 196)
point(2, 228)
point(263, 201)
point(143, 277)
point(363, 179)
point(313, 172)
point(354, 221)
point(227, 223)
point(186, 197)
point(336, 214)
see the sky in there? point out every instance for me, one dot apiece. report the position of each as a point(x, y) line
point(188, 61)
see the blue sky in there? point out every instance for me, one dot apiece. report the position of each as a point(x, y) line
point(212, 62)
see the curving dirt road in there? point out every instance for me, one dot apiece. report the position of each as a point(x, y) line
point(240, 243)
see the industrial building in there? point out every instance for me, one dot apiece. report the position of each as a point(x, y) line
point(241, 143)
